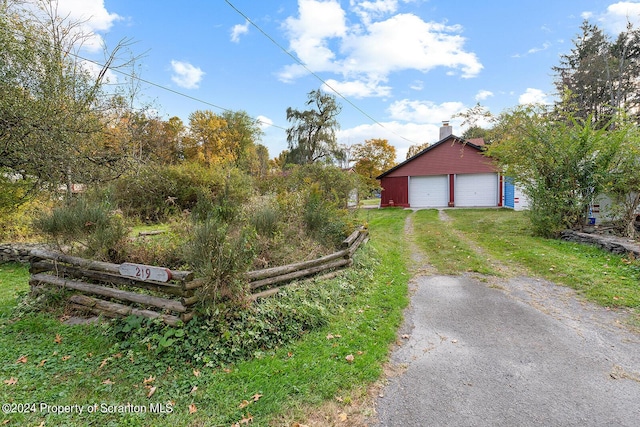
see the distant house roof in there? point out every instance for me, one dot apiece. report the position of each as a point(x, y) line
point(476, 143)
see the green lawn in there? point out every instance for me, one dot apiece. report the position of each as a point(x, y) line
point(46, 361)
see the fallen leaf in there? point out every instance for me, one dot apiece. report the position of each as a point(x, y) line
point(11, 381)
point(22, 359)
point(117, 355)
point(193, 389)
point(148, 380)
point(192, 409)
point(289, 354)
point(41, 424)
point(42, 362)
point(349, 358)
point(107, 382)
point(246, 419)
point(152, 390)
point(330, 337)
point(65, 358)
point(360, 353)
point(243, 404)
point(256, 397)
point(196, 372)
point(454, 341)
point(58, 339)
point(5, 422)
point(339, 399)
point(342, 416)
point(405, 336)
point(104, 362)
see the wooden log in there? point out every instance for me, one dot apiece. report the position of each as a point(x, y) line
point(190, 300)
point(96, 265)
point(113, 309)
point(75, 272)
point(357, 243)
point(352, 237)
point(151, 233)
point(285, 269)
point(300, 273)
point(193, 284)
point(264, 294)
point(185, 317)
point(111, 292)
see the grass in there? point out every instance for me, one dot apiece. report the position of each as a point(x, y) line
point(14, 279)
point(445, 250)
point(370, 202)
point(42, 360)
point(607, 279)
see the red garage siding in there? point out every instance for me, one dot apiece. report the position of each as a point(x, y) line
point(450, 156)
point(395, 191)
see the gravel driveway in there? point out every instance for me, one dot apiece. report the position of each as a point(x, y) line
point(517, 352)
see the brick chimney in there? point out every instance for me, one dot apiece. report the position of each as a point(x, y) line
point(446, 130)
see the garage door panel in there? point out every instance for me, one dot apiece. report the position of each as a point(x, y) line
point(476, 190)
point(428, 191)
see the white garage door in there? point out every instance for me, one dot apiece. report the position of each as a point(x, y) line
point(428, 191)
point(479, 189)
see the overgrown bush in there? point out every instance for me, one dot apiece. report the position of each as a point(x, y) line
point(220, 253)
point(156, 193)
point(228, 334)
point(91, 229)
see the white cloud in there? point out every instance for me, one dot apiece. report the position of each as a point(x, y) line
point(424, 111)
point(369, 10)
point(91, 17)
point(264, 122)
point(186, 75)
point(417, 85)
point(544, 46)
point(533, 96)
point(358, 88)
point(483, 94)
point(618, 14)
point(365, 53)
point(239, 30)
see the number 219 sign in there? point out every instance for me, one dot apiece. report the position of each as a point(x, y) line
point(145, 272)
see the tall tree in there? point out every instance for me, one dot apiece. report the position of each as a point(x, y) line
point(599, 76)
point(312, 135)
point(51, 126)
point(415, 149)
point(227, 138)
point(561, 162)
point(372, 158)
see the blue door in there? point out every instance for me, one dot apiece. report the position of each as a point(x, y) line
point(509, 193)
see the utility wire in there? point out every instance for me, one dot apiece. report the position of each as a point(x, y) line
point(167, 89)
point(299, 62)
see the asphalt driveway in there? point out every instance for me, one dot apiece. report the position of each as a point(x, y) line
point(519, 353)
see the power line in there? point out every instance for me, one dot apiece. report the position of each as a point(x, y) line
point(138, 78)
point(193, 98)
point(299, 62)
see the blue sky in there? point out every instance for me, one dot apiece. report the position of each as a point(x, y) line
point(400, 67)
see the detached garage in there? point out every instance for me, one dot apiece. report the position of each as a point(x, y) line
point(451, 172)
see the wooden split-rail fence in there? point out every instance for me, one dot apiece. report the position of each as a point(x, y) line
point(120, 290)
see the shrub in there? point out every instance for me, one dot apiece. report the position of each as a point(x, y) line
point(91, 228)
point(220, 253)
point(156, 193)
